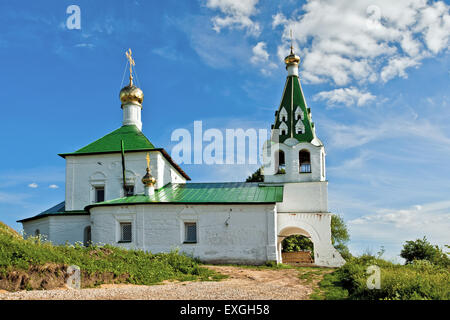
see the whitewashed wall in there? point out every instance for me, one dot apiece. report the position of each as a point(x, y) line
point(304, 197)
point(250, 236)
point(85, 172)
point(59, 229)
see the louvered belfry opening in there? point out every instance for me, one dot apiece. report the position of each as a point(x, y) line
point(304, 158)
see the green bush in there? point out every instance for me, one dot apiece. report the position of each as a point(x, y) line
point(420, 280)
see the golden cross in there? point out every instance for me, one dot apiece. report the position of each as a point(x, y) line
point(148, 160)
point(131, 61)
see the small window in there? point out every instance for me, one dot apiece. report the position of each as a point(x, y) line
point(305, 161)
point(129, 191)
point(125, 232)
point(190, 232)
point(37, 233)
point(99, 194)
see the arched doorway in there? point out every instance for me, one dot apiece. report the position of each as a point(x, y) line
point(295, 246)
point(87, 236)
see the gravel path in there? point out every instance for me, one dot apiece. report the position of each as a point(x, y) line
point(243, 283)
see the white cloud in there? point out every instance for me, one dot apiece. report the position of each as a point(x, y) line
point(261, 58)
point(33, 185)
point(365, 40)
point(53, 186)
point(398, 225)
point(237, 14)
point(347, 96)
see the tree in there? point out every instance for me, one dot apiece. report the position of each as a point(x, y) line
point(296, 243)
point(340, 236)
point(257, 176)
point(421, 249)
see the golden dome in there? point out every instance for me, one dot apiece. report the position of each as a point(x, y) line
point(148, 179)
point(292, 59)
point(131, 94)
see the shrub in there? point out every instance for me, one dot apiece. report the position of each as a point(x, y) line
point(420, 280)
point(421, 249)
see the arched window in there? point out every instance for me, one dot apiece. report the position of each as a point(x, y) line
point(37, 233)
point(304, 161)
point(87, 236)
point(280, 162)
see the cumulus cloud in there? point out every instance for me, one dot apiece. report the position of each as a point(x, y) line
point(431, 219)
point(33, 185)
point(236, 14)
point(261, 57)
point(366, 40)
point(347, 96)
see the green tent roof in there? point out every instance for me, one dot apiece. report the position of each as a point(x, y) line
point(205, 193)
point(292, 99)
point(133, 138)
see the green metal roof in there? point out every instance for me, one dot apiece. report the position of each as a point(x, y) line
point(292, 98)
point(133, 138)
point(58, 210)
point(205, 193)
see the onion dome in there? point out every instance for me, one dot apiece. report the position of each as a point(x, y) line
point(292, 59)
point(131, 94)
point(148, 180)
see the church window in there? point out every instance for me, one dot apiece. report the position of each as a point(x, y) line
point(304, 161)
point(37, 233)
point(87, 236)
point(99, 194)
point(190, 232)
point(125, 232)
point(281, 162)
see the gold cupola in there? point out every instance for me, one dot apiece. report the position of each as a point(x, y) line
point(292, 61)
point(131, 93)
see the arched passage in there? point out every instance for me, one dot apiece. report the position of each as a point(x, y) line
point(300, 243)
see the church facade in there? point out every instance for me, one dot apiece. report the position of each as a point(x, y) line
point(124, 191)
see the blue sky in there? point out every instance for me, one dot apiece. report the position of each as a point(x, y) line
point(375, 74)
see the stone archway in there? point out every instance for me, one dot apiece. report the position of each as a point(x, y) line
point(297, 257)
point(316, 226)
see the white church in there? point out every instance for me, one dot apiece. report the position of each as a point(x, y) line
point(123, 191)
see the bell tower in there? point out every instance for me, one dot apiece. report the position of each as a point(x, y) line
point(294, 153)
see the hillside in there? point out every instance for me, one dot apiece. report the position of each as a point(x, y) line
point(36, 264)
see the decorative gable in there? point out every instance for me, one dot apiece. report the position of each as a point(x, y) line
point(299, 127)
point(299, 114)
point(283, 115)
point(284, 130)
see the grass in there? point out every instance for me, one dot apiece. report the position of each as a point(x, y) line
point(98, 264)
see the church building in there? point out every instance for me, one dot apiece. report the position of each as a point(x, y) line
point(123, 191)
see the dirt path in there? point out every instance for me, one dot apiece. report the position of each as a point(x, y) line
point(243, 283)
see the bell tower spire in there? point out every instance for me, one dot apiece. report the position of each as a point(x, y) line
point(131, 98)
